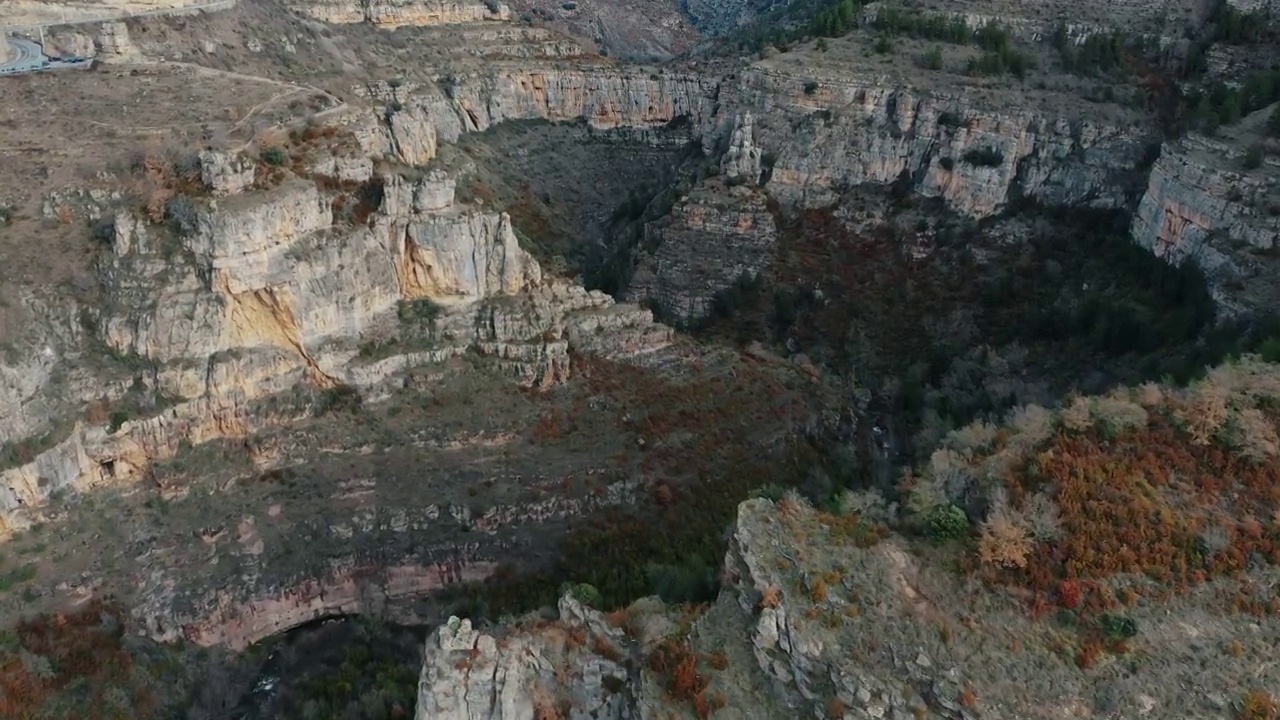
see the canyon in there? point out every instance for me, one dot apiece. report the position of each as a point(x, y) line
point(381, 305)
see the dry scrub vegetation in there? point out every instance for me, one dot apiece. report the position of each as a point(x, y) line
point(1143, 493)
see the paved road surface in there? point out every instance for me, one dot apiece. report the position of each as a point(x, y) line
point(194, 9)
point(27, 56)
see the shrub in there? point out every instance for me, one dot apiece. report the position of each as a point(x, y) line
point(570, 6)
point(422, 310)
point(1004, 542)
point(181, 214)
point(1004, 62)
point(340, 398)
point(1258, 705)
point(587, 594)
point(984, 157)
point(1068, 594)
point(951, 119)
point(810, 88)
point(118, 419)
point(932, 59)
point(771, 492)
point(274, 156)
point(1270, 349)
point(103, 231)
point(1117, 628)
point(692, 581)
point(884, 45)
point(946, 522)
point(1253, 158)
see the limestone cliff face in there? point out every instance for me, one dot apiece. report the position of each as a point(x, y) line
point(808, 142)
point(741, 162)
point(273, 288)
point(712, 238)
point(606, 97)
point(1194, 211)
point(838, 133)
point(395, 13)
point(821, 136)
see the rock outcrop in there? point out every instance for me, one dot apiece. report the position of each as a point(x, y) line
point(271, 288)
point(606, 97)
point(1222, 220)
point(470, 674)
point(396, 13)
point(226, 173)
point(741, 162)
point(837, 132)
point(716, 236)
point(114, 45)
point(809, 626)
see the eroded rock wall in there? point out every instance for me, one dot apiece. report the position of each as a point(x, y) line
point(716, 236)
point(395, 13)
point(470, 674)
point(1223, 220)
point(272, 288)
point(835, 133)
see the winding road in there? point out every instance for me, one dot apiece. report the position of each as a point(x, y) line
point(27, 56)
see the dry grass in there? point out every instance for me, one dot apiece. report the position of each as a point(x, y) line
point(61, 130)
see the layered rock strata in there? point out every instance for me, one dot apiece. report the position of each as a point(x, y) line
point(836, 133)
point(396, 13)
point(273, 288)
point(715, 237)
point(1225, 221)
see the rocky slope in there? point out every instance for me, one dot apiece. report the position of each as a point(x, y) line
point(821, 619)
point(352, 267)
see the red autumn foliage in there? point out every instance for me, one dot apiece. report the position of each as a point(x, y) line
point(84, 645)
point(1069, 594)
point(1139, 504)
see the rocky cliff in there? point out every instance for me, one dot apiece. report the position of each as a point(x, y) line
point(831, 132)
point(395, 13)
point(814, 624)
point(714, 237)
point(807, 136)
point(1227, 221)
point(269, 288)
point(606, 97)
point(573, 668)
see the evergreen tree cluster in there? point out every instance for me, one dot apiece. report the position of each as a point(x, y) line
point(1233, 27)
point(1221, 104)
point(837, 19)
point(1100, 53)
